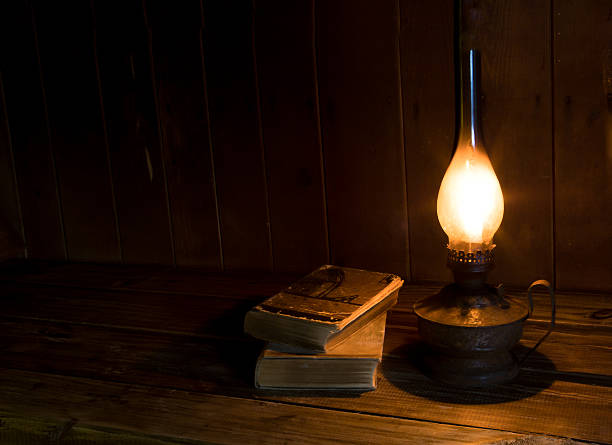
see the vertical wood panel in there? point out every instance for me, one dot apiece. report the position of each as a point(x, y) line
point(362, 134)
point(11, 231)
point(29, 134)
point(65, 36)
point(238, 156)
point(364, 172)
point(284, 36)
point(429, 124)
point(514, 38)
point(176, 45)
point(583, 143)
point(133, 136)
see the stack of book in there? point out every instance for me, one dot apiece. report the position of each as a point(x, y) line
point(326, 331)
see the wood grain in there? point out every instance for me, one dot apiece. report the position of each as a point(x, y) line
point(588, 345)
point(12, 243)
point(205, 315)
point(535, 403)
point(26, 430)
point(284, 40)
point(176, 45)
point(181, 341)
point(65, 36)
point(84, 275)
point(361, 124)
point(192, 315)
point(573, 308)
point(250, 175)
point(429, 103)
point(514, 40)
point(195, 282)
point(236, 135)
point(165, 337)
point(133, 136)
point(214, 418)
point(27, 121)
point(583, 143)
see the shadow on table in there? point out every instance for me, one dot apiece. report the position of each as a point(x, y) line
point(218, 358)
point(404, 369)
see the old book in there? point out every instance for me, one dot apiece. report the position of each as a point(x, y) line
point(350, 365)
point(324, 308)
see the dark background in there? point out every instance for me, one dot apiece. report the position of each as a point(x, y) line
point(280, 135)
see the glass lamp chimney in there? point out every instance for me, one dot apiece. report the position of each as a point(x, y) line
point(470, 202)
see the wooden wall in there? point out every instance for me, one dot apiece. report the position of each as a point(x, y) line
point(280, 135)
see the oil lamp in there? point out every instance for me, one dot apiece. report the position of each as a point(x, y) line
point(471, 326)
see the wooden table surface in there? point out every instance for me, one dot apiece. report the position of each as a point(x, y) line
point(153, 355)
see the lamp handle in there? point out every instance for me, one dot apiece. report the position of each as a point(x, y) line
point(553, 311)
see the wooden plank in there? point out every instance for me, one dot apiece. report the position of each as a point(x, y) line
point(160, 359)
point(213, 418)
point(226, 305)
point(97, 332)
point(195, 282)
point(84, 275)
point(361, 124)
point(147, 278)
point(236, 135)
point(176, 46)
point(189, 315)
point(35, 431)
point(284, 38)
point(548, 411)
point(65, 36)
point(514, 39)
point(195, 357)
point(588, 345)
point(25, 105)
point(12, 243)
point(535, 403)
point(133, 136)
point(583, 143)
point(223, 316)
point(426, 43)
point(573, 308)
point(553, 355)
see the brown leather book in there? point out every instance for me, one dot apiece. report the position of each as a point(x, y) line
point(351, 365)
point(324, 308)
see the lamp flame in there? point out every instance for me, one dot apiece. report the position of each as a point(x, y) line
point(470, 201)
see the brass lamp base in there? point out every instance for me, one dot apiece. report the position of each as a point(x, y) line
point(480, 370)
point(470, 326)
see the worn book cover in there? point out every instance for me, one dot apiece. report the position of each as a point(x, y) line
point(349, 365)
point(324, 308)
